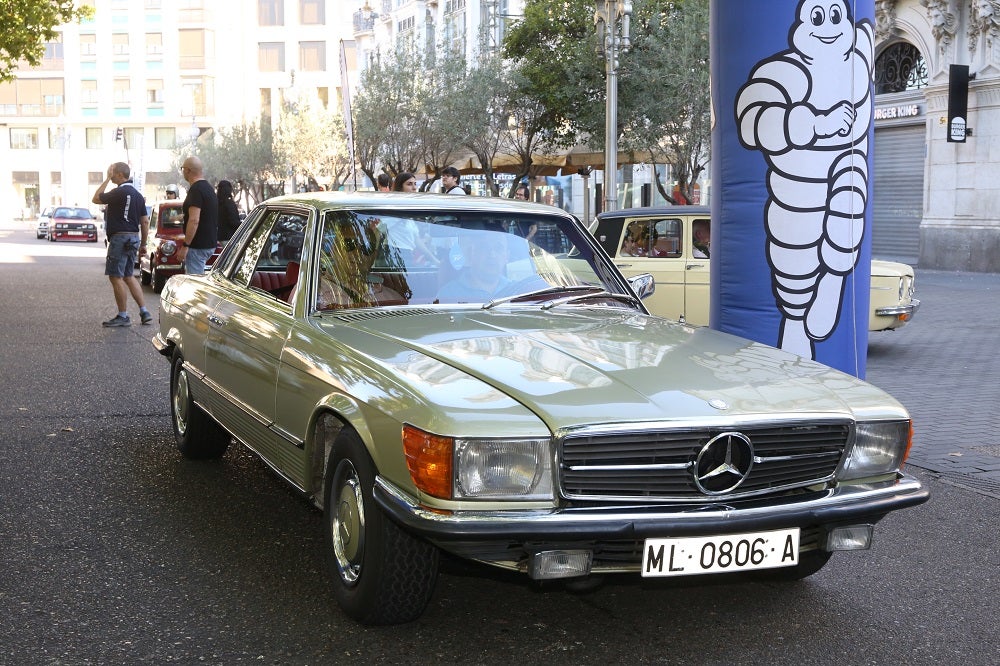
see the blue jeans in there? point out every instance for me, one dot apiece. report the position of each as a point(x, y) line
point(123, 249)
point(196, 259)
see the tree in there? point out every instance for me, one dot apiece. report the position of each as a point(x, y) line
point(482, 108)
point(665, 83)
point(663, 88)
point(311, 141)
point(385, 116)
point(28, 25)
point(243, 154)
point(529, 132)
point(553, 49)
point(440, 127)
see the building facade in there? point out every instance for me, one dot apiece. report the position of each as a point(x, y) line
point(142, 77)
point(936, 202)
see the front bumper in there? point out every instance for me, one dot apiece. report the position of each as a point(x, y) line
point(505, 537)
point(903, 313)
point(74, 234)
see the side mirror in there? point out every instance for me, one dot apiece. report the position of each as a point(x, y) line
point(642, 285)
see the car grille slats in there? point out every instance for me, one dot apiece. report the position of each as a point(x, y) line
point(659, 464)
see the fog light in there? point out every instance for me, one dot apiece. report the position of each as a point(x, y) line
point(851, 537)
point(559, 564)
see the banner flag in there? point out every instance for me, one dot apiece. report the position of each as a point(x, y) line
point(792, 104)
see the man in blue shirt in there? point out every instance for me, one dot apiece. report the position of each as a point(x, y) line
point(127, 227)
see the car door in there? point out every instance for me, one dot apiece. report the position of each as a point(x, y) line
point(248, 329)
point(696, 270)
point(654, 245)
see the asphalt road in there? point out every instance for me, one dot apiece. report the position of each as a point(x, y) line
point(115, 550)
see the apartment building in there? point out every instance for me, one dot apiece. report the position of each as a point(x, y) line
point(144, 76)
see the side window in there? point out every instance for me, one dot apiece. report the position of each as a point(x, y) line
point(272, 255)
point(701, 239)
point(666, 238)
point(636, 242)
point(350, 247)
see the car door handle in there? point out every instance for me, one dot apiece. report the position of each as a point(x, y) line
point(624, 265)
point(690, 266)
point(218, 321)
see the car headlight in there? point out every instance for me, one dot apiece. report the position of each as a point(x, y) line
point(168, 248)
point(880, 447)
point(479, 469)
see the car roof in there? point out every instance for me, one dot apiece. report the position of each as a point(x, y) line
point(656, 211)
point(411, 201)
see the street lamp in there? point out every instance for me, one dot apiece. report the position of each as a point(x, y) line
point(612, 19)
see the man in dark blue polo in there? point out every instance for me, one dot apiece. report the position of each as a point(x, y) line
point(127, 227)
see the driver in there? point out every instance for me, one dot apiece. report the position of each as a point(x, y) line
point(482, 275)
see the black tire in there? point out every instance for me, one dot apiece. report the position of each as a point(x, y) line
point(198, 436)
point(158, 281)
point(382, 575)
point(809, 563)
point(145, 277)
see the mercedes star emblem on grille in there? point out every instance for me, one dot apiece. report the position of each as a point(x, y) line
point(723, 463)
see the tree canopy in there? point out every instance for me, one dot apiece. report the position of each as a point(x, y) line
point(663, 79)
point(28, 25)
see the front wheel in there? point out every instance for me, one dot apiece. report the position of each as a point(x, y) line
point(198, 436)
point(159, 280)
point(382, 575)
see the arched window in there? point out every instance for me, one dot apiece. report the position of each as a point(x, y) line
point(900, 67)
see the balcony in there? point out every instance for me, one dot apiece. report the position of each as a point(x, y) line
point(364, 25)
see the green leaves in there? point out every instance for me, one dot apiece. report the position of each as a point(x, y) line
point(27, 25)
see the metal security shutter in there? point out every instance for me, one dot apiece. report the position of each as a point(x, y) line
point(897, 199)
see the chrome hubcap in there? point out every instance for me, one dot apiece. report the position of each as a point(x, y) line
point(181, 402)
point(348, 515)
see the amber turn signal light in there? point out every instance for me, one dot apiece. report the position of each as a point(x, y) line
point(429, 459)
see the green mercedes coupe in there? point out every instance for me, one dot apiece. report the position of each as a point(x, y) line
point(474, 375)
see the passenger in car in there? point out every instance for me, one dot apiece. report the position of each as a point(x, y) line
point(701, 239)
point(346, 280)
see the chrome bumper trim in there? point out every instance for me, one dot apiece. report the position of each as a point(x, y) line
point(845, 503)
point(895, 310)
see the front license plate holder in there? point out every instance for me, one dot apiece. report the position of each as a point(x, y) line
point(692, 556)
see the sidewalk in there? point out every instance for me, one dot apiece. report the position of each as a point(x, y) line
point(944, 366)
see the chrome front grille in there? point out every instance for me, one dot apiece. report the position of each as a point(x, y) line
point(656, 465)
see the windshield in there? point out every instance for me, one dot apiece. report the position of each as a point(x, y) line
point(482, 259)
point(73, 213)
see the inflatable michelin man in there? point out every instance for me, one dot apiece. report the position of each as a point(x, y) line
point(809, 110)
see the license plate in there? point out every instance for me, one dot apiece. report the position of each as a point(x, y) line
point(76, 233)
point(720, 554)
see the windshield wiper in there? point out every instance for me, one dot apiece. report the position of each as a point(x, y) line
point(545, 292)
point(625, 298)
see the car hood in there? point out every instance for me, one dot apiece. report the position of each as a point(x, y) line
point(584, 366)
point(883, 268)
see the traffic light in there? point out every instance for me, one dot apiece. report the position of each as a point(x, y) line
point(118, 134)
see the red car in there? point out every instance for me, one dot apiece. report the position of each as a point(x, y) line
point(166, 232)
point(75, 224)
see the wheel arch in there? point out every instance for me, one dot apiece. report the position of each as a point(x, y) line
point(333, 415)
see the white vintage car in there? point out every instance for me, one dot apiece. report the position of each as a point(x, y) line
point(662, 241)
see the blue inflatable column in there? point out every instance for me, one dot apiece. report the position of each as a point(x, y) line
point(792, 100)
